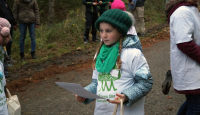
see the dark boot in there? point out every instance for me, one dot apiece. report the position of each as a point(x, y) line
point(33, 55)
point(22, 55)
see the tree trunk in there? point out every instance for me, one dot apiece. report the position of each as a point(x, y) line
point(51, 11)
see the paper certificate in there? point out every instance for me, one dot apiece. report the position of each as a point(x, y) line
point(78, 90)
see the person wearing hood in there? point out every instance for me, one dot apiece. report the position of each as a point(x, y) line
point(26, 12)
point(120, 70)
point(184, 22)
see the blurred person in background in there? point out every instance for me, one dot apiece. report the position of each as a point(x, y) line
point(26, 12)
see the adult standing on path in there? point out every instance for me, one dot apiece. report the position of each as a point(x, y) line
point(26, 12)
point(183, 18)
point(137, 8)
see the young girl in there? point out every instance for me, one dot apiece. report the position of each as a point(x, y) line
point(4, 38)
point(184, 21)
point(120, 71)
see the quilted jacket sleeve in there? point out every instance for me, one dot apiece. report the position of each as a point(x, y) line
point(143, 80)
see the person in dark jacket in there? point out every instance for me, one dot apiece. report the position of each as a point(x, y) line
point(26, 12)
point(91, 15)
point(138, 13)
point(5, 12)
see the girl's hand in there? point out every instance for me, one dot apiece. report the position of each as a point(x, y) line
point(118, 96)
point(80, 99)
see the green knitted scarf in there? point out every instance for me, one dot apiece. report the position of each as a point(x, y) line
point(107, 57)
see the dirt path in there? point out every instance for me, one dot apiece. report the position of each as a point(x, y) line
point(38, 94)
point(44, 97)
point(31, 73)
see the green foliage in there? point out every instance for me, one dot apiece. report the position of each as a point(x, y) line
point(62, 8)
point(66, 33)
point(154, 11)
point(54, 39)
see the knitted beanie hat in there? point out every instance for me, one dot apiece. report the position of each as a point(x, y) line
point(4, 29)
point(117, 18)
point(118, 4)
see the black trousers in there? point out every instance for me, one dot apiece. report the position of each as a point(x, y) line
point(90, 21)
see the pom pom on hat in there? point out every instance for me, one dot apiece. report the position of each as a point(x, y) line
point(118, 4)
point(5, 31)
point(4, 27)
point(117, 18)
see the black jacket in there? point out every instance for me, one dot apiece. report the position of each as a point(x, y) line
point(90, 8)
point(5, 12)
point(140, 3)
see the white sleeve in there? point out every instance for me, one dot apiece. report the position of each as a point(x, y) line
point(182, 27)
point(139, 62)
point(135, 60)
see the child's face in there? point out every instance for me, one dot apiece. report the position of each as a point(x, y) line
point(108, 34)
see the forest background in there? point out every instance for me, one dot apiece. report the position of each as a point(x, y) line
point(65, 33)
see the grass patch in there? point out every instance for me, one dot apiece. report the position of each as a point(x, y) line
point(53, 40)
point(66, 35)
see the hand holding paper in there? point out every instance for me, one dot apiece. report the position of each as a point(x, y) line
point(80, 99)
